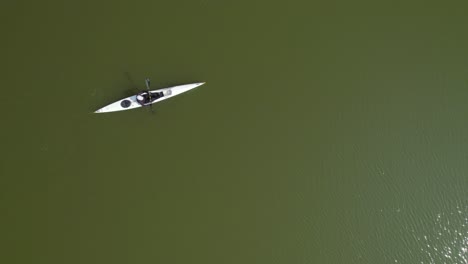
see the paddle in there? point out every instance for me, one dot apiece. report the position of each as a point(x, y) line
point(147, 82)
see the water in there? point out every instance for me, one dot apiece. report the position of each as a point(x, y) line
point(326, 133)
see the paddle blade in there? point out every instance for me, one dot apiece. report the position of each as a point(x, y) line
point(147, 82)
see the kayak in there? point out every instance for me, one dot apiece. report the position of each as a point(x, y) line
point(155, 96)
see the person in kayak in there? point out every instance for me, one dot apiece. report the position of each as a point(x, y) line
point(143, 98)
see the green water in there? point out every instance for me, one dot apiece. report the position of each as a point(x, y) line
point(327, 132)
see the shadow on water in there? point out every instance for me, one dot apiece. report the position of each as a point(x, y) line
point(132, 89)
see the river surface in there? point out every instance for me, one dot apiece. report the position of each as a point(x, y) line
point(327, 132)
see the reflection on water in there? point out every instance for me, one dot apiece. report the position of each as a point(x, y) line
point(447, 240)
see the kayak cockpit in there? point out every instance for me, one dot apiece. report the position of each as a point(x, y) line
point(145, 98)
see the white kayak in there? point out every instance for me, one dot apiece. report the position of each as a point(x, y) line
point(154, 97)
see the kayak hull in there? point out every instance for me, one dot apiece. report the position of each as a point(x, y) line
point(132, 103)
